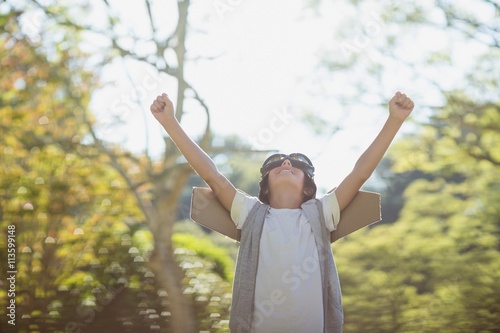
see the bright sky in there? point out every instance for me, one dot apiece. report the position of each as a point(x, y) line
point(257, 87)
point(261, 81)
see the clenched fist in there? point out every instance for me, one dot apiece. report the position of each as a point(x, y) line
point(163, 109)
point(400, 106)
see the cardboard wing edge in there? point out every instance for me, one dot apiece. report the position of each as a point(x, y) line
point(209, 212)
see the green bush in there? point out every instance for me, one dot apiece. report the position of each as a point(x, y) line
point(223, 263)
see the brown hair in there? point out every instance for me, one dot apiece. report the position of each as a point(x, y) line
point(308, 184)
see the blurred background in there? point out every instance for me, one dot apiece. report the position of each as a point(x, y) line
point(99, 196)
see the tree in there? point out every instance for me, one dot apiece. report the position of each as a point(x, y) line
point(372, 52)
point(53, 197)
point(433, 269)
point(65, 208)
point(465, 164)
point(156, 183)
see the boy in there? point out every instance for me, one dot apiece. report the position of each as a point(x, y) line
point(286, 279)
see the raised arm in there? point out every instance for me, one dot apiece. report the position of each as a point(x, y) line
point(163, 110)
point(400, 107)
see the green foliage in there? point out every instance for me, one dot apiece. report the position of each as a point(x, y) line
point(208, 274)
point(73, 257)
point(82, 249)
point(223, 263)
point(229, 245)
point(435, 269)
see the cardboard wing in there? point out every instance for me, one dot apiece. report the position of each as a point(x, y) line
point(206, 210)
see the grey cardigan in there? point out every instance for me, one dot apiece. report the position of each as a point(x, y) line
point(242, 308)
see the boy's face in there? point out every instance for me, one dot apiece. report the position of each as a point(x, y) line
point(287, 177)
point(297, 160)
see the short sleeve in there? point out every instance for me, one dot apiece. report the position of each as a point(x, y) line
point(241, 207)
point(331, 211)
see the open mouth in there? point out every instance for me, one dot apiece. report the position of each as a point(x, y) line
point(286, 171)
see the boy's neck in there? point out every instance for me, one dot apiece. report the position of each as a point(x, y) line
point(289, 200)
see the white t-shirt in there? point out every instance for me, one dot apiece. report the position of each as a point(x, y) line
point(288, 291)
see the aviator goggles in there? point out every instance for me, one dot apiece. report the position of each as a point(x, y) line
point(297, 160)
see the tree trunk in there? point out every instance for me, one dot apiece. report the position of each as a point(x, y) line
point(166, 269)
